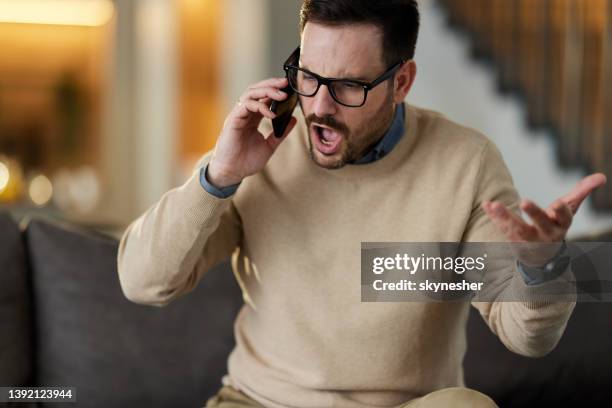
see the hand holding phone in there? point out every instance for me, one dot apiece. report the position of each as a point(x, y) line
point(241, 149)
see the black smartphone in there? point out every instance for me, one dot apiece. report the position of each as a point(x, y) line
point(284, 109)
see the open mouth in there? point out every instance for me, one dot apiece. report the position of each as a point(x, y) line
point(326, 140)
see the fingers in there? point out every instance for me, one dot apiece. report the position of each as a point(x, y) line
point(583, 189)
point(264, 93)
point(561, 213)
point(257, 98)
point(549, 225)
point(250, 106)
point(540, 218)
point(509, 223)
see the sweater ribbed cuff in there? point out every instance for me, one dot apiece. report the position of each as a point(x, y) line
point(561, 290)
point(200, 206)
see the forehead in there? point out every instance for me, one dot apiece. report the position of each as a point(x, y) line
point(351, 50)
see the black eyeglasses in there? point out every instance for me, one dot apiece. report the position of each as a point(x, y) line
point(346, 92)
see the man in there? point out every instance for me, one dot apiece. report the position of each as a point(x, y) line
point(355, 164)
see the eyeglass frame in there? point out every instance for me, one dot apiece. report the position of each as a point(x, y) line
point(367, 86)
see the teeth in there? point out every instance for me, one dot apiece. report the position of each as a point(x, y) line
point(320, 133)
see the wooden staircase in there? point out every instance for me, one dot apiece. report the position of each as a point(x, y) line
point(557, 55)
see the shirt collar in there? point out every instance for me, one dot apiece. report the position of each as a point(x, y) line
point(389, 140)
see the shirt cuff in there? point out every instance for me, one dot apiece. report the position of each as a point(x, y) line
point(552, 270)
point(224, 192)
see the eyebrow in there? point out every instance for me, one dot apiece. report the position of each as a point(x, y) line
point(349, 78)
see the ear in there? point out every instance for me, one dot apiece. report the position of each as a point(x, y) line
point(404, 78)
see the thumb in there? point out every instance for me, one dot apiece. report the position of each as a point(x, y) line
point(274, 141)
point(583, 189)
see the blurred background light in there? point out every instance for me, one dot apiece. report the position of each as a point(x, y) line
point(40, 190)
point(4, 176)
point(76, 191)
point(11, 180)
point(57, 12)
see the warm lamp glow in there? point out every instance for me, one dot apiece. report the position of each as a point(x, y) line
point(40, 190)
point(58, 12)
point(4, 176)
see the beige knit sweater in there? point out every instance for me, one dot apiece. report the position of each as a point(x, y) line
point(304, 338)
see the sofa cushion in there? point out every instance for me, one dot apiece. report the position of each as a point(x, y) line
point(15, 307)
point(117, 353)
point(576, 373)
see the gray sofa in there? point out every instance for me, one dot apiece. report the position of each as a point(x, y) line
point(64, 321)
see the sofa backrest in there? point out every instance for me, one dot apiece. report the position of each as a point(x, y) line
point(576, 373)
point(117, 353)
point(15, 307)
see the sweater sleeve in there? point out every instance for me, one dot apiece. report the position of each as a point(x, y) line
point(525, 324)
point(165, 252)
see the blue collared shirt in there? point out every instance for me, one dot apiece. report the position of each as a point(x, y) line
point(224, 192)
point(389, 140)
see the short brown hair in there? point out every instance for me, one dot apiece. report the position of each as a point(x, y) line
point(398, 20)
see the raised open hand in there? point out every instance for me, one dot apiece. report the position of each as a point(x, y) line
point(549, 225)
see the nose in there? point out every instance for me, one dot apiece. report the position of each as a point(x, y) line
point(324, 104)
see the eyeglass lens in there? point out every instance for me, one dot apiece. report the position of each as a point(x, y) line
point(345, 92)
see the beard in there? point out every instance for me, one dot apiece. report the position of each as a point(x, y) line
point(355, 143)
